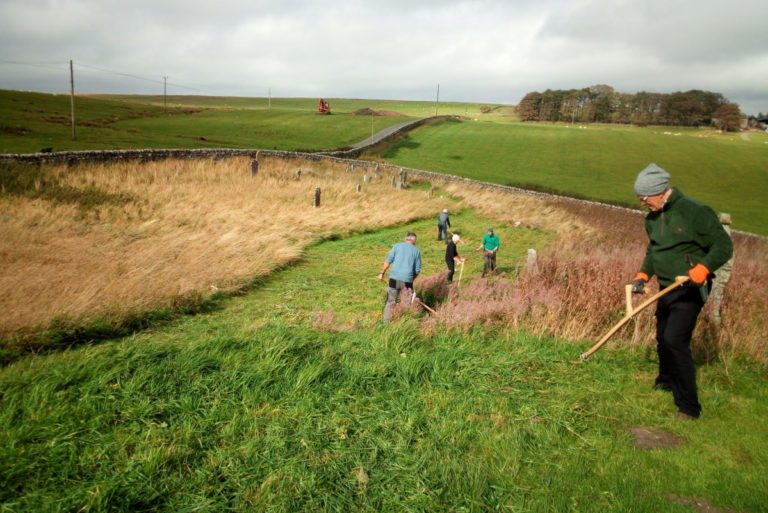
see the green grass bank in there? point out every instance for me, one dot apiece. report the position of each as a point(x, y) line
point(727, 172)
point(294, 398)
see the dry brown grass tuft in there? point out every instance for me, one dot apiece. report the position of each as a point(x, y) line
point(192, 228)
point(577, 293)
point(532, 211)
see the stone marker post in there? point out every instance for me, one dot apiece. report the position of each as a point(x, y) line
point(317, 197)
point(722, 276)
point(532, 263)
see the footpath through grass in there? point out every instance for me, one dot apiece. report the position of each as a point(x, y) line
point(600, 162)
point(263, 406)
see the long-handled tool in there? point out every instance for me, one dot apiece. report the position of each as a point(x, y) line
point(633, 312)
point(414, 297)
point(461, 272)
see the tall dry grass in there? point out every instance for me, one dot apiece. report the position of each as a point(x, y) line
point(184, 230)
point(188, 230)
point(577, 292)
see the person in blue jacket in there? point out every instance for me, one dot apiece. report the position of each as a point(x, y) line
point(404, 264)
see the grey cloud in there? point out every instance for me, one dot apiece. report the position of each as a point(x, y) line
point(489, 50)
point(671, 31)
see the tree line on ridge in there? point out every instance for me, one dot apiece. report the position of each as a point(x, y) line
point(602, 104)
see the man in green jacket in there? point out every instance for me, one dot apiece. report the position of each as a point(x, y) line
point(491, 246)
point(685, 238)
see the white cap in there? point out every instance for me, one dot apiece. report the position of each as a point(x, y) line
point(455, 237)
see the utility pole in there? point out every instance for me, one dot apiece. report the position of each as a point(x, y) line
point(72, 96)
point(437, 98)
point(269, 94)
point(165, 90)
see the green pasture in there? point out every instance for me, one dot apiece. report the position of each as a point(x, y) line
point(32, 121)
point(294, 398)
point(600, 162)
point(418, 109)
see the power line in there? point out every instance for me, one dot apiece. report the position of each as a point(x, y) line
point(50, 65)
point(139, 77)
point(57, 65)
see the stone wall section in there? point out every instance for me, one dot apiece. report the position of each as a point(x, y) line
point(343, 156)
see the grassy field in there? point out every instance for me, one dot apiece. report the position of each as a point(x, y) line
point(293, 398)
point(284, 392)
point(600, 162)
point(417, 109)
point(104, 245)
point(32, 121)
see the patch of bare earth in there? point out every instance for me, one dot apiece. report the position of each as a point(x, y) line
point(700, 505)
point(647, 439)
point(370, 112)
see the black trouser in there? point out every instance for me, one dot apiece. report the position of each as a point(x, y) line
point(676, 315)
point(451, 268)
point(489, 262)
point(442, 232)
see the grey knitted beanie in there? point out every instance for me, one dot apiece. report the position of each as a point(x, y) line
point(651, 181)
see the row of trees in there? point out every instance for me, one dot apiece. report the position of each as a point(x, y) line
point(602, 104)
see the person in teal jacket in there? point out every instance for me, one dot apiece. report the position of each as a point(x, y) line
point(685, 239)
point(491, 245)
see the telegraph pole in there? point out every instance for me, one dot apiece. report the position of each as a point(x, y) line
point(72, 96)
point(269, 94)
point(437, 98)
point(165, 90)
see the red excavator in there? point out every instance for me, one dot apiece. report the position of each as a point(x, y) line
point(323, 107)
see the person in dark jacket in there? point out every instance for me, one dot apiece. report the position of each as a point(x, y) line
point(443, 223)
point(685, 238)
point(452, 256)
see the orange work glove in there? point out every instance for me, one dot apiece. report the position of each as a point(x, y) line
point(638, 283)
point(698, 274)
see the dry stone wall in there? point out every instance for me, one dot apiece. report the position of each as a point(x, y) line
point(345, 156)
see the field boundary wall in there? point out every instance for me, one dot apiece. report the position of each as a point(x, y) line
point(344, 156)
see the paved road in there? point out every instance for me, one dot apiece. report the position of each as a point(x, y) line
point(383, 134)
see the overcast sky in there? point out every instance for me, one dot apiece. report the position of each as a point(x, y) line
point(479, 51)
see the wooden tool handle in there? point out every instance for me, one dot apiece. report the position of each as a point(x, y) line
point(628, 297)
point(679, 280)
